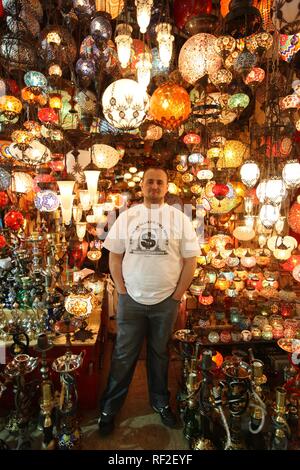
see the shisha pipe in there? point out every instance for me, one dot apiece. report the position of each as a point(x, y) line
point(21, 365)
point(47, 402)
point(282, 430)
point(69, 432)
point(204, 442)
point(259, 411)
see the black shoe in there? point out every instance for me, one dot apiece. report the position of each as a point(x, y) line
point(167, 416)
point(106, 424)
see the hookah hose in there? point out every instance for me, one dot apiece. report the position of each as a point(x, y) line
point(262, 407)
point(218, 406)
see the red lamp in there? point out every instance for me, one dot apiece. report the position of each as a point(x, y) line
point(186, 12)
point(2, 242)
point(13, 220)
point(220, 191)
point(3, 199)
point(47, 115)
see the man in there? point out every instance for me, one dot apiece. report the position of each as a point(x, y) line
point(153, 249)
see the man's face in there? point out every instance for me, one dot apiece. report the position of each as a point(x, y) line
point(155, 186)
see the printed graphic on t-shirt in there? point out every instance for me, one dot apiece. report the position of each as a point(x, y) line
point(149, 238)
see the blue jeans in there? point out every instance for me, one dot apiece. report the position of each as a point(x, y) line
point(135, 322)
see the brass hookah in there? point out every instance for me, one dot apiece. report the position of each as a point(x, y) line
point(281, 432)
point(257, 405)
point(47, 400)
point(17, 369)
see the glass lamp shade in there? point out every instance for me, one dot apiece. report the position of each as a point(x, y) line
point(294, 217)
point(143, 68)
point(81, 230)
point(205, 175)
point(296, 273)
point(104, 156)
point(100, 28)
point(125, 103)
point(21, 182)
point(268, 215)
point(66, 188)
point(5, 179)
point(21, 138)
point(143, 13)
point(282, 253)
point(233, 154)
point(249, 173)
point(112, 7)
point(255, 76)
point(46, 201)
point(220, 190)
point(238, 101)
point(77, 213)
point(34, 154)
point(275, 190)
point(92, 177)
point(244, 62)
point(170, 105)
point(248, 261)
point(196, 158)
point(85, 199)
point(291, 174)
point(206, 298)
point(244, 233)
point(124, 42)
point(86, 68)
point(47, 115)
point(221, 78)
point(80, 305)
point(198, 57)
point(66, 204)
point(34, 79)
point(165, 42)
point(55, 70)
point(33, 127)
point(188, 10)
point(192, 139)
point(10, 106)
point(13, 220)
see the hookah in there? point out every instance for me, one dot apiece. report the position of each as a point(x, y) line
point(47, 400)
point(281, 432)
point(257, 405)
point(192, 382)
point(237, 373)
point(21, 365)
point(69, 435)
point(204, 442)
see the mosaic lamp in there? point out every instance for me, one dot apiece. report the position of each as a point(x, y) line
point(170, 105)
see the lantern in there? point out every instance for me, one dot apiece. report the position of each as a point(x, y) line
point(165, 42)
point(92, 174)
point(125, 104)
point(13, 220)
point(205, 298)
point(36, 81)
point(244, 233)
point(255, 76)
point(291, 174)
point(268, 215)
point(46, 201)
point(187, 12)
point(198, 57)
point(220, 190)
point(10, 107)
point(55, 101)
point(21, 182)
point(80, 303)
point(47, 115)
point(170, 105)
point(3, 199)
point(123, 41)
point(238, 102)
point(192, 139)
point(249, 173)
point(104, 156)
point(143, 13)
point(143, 68)
point(100, 28)
point(34, 154)
point(294, 217)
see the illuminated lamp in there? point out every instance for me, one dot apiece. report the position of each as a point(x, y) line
point(268, 215)
point(205, 175)
point(238, 102)
point(125, 104)
point(255, 77)
point(94, 255)
point(21, 138)
point(104, 156)
point(244, 233)
point(36, 81)
point(112, 7)
point(47, 116)
point(238, 283)
point(124, 42)
point(205, 298)
point(198, 57)
point(165, 43)
point(85, 199)
point(233, 154)
point(10, 107)
point(55, 70)
point(282, 252)
point(33, 127)
point(80, 230)
point(248, 261)
point(218, 262)
point(291, 174)
point(196, 158)
point(143, 68)
point(222, 283)
point(221, 78)
point(192, 139)
point(249, 173)
point(296, 272)
point(66, 199)
point(232, 261)
point(291, 263)
point(170, 105)
point(80, 302)
point(46, 201)
point(294, 217)
point(92, 174)
point(220, 191)
point(35, 153)
point(143, 13)
point(215, 153)
point(217, 358)
point(55, 101)
point(275, 190)
point(21, 182)
point(13, 220)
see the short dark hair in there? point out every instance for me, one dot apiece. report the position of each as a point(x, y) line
point(156, 168)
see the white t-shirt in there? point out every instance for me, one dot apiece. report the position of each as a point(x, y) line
point(154, 242)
